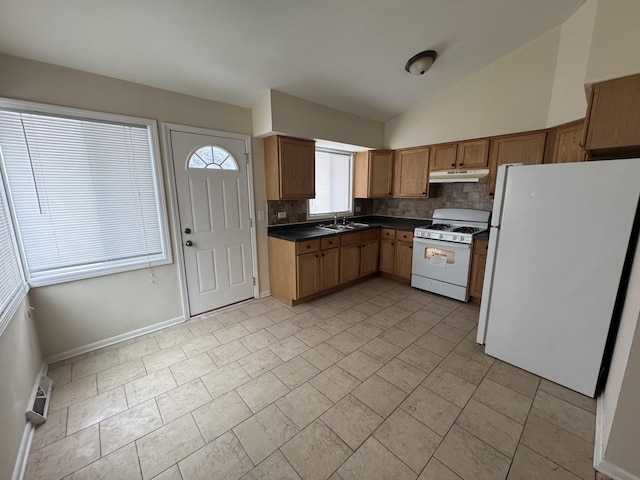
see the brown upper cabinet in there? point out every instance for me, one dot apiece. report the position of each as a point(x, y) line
point(289, 168)
point(411, 173)
point(613, 119)
point(567, 141)
point(373, 174)
point(460, 155)
point(525, 148)
point(443, 157)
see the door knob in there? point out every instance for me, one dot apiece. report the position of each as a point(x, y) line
point(188, 243)
point(187, 230)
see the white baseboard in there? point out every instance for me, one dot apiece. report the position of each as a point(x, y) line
point(266, 293)
point(599, 462)
point(598, 444)
point(112, 340)
point(25, 444)
point(23, 452)
point(615, 472)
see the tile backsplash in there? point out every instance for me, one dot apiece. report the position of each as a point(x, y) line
point(297, 210)
point(446, 195)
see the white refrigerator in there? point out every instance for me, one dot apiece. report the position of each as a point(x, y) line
point(561, 239)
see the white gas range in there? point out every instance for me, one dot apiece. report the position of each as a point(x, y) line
point(442, 251)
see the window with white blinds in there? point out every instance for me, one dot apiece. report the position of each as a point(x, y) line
point(86, 194)
point(12, 287)
point(334, 182)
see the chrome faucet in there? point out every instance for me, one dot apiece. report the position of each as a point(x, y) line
point(335, 218)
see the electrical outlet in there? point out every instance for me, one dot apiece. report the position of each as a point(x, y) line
point(282, 214)
point(260, 215)
point(358, 209)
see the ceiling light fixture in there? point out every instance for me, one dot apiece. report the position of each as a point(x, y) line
point(421, 62)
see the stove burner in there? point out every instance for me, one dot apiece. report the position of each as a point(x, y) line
point(466, 230)
point(438, 226)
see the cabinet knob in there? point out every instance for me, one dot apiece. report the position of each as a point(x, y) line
point(308, 246)
point(424, 193)
point(317, 255)
point(392, 244)
point(389, 193)
point(453, 164)
point(410, 246)
point(461, 165)
point(323, 254)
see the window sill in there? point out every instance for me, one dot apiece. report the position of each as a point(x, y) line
point(12, 308)
point(98, 272)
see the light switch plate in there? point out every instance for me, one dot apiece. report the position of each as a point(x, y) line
point(260, 214)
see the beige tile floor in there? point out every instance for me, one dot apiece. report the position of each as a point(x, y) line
point(378, 381)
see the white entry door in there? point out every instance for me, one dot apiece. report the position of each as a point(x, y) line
point(213, 202)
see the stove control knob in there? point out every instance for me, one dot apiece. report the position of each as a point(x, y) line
point(441, 236)
point(455, 238)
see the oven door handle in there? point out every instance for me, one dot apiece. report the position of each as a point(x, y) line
point(441, 244)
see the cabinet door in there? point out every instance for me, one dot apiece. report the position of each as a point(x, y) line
point(402, 262)
point(566, 146)
point(527, 149)
point(387, 255)
point(369, 257)
point(349, 262)
point(478, 267)
point(613, 116)
point(308, 274)
point(380, 173)
point(329, 268)
point(412, 173)
point(473, 154)
point(443, 157)
point(297, 168)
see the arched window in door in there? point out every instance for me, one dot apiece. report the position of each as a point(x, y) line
point(213, 157)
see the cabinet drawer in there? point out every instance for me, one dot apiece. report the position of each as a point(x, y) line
point(307, 246)
point(350, 238)
point(388, 233)
point(371, 235)
point(330, 242)
point(404, 236)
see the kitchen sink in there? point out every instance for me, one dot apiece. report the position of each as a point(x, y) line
point(339, 227)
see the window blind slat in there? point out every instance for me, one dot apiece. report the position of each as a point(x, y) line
point(333, 183)
point(83, 191)
point(11, 281)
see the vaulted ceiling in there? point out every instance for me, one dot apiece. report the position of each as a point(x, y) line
point(346, 54)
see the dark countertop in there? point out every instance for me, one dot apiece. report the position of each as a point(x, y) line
point(298, 232)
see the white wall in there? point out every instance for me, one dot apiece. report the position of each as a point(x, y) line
point(74, 314)
point(568, 98)
point(278, 112)
point(618, 422)
point(615, 45)
point(20, 361)
point(510, 95)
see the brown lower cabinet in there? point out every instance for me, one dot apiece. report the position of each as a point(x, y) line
point(302, 270)
point(396, 253)
point(478, 265)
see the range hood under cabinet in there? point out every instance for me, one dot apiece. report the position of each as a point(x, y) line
point(461, 176)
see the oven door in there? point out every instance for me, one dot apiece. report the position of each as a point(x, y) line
point(442, 261)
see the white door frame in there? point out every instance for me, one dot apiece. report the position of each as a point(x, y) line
point(167, 128)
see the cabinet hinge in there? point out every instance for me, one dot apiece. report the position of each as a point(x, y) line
point(250, 222)
point(254, 281)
